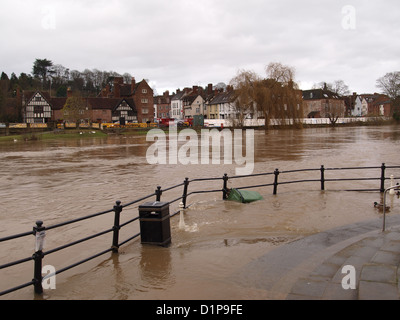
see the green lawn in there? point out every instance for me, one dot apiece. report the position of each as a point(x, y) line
point(69, 134)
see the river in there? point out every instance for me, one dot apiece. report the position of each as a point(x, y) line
point(58, 180)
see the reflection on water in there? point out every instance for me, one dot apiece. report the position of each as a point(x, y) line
point(57, 180)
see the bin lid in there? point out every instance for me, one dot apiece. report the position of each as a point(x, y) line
point(244, 196)
point(154, 204)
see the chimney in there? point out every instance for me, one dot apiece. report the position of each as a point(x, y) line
point(69, 92)
point(117, 88)
point(209, 88)
point(133, 84)
point(166, 93)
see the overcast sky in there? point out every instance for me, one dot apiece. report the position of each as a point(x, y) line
point(181, 43)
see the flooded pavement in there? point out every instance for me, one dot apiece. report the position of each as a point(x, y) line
point(59, 180)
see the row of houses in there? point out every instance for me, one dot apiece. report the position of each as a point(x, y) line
point(221, 104)
point(209, 102)
point(135, 102)
point(368, 105)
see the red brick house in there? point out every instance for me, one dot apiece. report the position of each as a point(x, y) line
point(162, 105)
point(322, 103)
point(140, 92)
point(381, 106)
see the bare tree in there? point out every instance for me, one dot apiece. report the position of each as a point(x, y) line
point(280, 73)
point(244, 84)
point(390, 84)
point(276, 97)
point(284, 99)
point(127, 77)
point(334, 110)
point(338, 86)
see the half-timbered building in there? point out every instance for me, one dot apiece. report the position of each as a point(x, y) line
point(38, 108)
point(125, 112)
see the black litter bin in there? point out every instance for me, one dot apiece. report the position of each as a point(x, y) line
point(154, 223)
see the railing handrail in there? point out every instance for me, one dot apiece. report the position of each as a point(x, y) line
point(118, 208)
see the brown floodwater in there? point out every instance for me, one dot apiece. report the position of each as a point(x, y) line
point(59, 180)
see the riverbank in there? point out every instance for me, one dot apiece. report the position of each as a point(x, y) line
point(56, 134)
point(82, 133)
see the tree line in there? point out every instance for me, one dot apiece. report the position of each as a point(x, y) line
point(52, 77)
point(47, 76)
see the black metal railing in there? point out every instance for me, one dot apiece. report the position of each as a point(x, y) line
point(39, 229)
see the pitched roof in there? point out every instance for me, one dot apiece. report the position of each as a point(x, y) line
point(224, 97)
point(98, 103)
point(190, 98)
point(317, 94)
point(381, 99)
point(179, 95)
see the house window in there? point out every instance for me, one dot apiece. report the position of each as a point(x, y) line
point(145, 111)
point(38, 109)
point(144, 90)
point(145, 100)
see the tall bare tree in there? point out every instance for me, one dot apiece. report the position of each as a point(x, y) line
point(284, 99)
point(280, 73)
point(276, 97)
point(338, 86)
point(390, 84)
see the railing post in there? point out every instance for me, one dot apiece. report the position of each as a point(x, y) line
point(276, 173)
point(322, 178)
point(158, 194)
point(185, 189)
point(383, 167)
point(116, 227)
point(225, 187)
point(181, 216)
point(39, 234)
